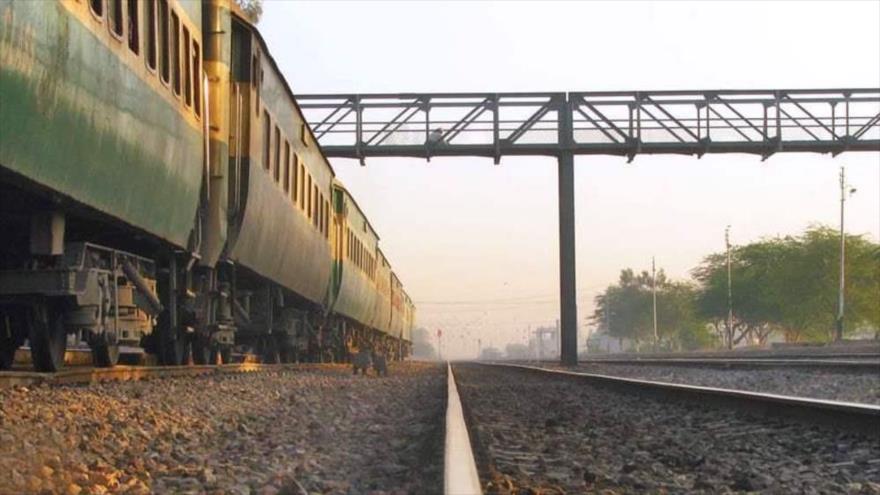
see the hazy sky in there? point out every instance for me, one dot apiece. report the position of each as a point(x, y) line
point(476, 244)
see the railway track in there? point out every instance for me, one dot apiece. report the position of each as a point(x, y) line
point(88, 374)
point(861, 418)
point(511, 427)
point(840, 363)
point(319, 430)
point(556, 431)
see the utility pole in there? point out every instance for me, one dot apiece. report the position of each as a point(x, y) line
point(440, 344)
point(654, 295)
point(838, 335)
point(729, 291)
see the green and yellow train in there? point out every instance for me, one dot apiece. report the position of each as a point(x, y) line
point(160, 191)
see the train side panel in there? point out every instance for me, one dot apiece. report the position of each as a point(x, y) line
point(284, 233)
point(84, 116)
point(382, 309)
point(357, 292)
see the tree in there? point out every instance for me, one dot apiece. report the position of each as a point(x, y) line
point(253, 9)
point(626, 311)
point(789, 284)
point(755, 270)
point(809, 297)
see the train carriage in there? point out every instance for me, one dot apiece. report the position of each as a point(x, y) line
point(278, 188)
point(101, 166)
point(356, 294)
point(161, 190)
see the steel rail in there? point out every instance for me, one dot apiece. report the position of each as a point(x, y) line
point(860, 418)
point(859, 364)
point(459, 468)
point(86, 375)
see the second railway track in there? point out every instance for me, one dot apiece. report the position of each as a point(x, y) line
point(556, 432)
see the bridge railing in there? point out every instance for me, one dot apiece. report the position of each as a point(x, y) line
point(621, 123)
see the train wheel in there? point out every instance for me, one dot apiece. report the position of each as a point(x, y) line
point(48, 339)
point(202, 352)
point(270, 351)
point(11, 327)
point(7, 352)
point(173, 349)
point(104, 354)
point(287, 354)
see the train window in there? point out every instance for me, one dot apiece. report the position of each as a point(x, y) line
point(163, 40)
point(114, 8)
point(319, 212)
point(151, 34)
point(134, 27)
point(302, 185)
point(187, 69)
point(276, 170)
point(309, 197)
point(267, 134)
point(97, 7)
point(255, 81)
point(197, 78)
point(175, 52)
point(295, 187)
point(327, 219)
point(286, 167)
point(315, 218)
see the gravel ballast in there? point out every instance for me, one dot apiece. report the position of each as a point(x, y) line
point(861, 386)
point(556, 435)
point(295, 432)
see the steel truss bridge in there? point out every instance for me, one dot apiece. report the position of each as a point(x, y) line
point(621, 123)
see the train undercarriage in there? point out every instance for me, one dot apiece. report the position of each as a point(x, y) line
point(67, 274)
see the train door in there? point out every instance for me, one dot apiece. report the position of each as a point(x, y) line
point(244, 65)
point(337, 240)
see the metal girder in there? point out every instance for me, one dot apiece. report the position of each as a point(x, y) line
point(623, 123)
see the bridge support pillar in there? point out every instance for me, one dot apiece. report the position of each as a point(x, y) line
point(567, 285)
